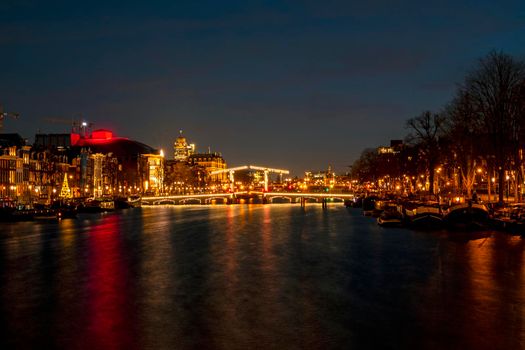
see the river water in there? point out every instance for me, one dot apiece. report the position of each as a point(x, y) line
point(254, 276)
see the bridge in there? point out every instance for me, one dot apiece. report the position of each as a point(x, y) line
point(317, 196)
point(266, 170)
point(233, 197)
point(190, 198)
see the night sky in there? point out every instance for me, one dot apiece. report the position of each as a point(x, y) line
point(289, 84)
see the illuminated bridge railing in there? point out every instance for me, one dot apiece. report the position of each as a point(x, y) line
point(229, 197)
point(184, 196)
point(234, 194)
point(314, 194)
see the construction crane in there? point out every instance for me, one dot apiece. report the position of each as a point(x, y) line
point(4, 115)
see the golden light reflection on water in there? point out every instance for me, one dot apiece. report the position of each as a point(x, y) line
point(482, 300)
point(231, 252)
point(266, 233)
point(67, 232)
point(476, 293)
point(157, 265)
point(259, 276)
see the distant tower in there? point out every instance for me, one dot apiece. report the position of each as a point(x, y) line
point(182, 150)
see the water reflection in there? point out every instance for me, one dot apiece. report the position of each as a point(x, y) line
point(275, 276)
point(109, 312)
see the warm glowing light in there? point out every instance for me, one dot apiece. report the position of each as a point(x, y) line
point(457, 199)
point(479, 170)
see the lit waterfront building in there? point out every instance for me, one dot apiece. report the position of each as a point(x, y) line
point(97, 162)
point(105, 172)
point(210, 162)
point(320, 178)
point(14, 165)
point(182, 150)
point(121, 165)
point(152, 170)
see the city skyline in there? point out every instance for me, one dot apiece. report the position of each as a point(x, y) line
point(292, 85)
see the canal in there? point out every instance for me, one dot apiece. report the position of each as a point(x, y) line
point(254, 276)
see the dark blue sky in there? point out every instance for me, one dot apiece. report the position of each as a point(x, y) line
point(292, 84)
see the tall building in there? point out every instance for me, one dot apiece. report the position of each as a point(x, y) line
point(210, 162)
point(14, 166)
point(152, 171)
point(395, 147)
point(182, 150)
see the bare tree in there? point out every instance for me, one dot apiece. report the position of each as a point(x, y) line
point(495, 89)
point(365, 168)
point(464, 133)
point(425, 131)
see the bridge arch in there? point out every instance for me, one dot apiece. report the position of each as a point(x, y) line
point(311, 199)
point(271, 199)
point(224, 200)
point(165, 202)
point(336, 199)
point(191, 200)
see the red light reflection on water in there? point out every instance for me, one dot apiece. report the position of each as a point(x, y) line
point(109, 310)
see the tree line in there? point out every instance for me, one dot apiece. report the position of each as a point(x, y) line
point(479, 134)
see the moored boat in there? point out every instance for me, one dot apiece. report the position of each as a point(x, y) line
point(356, 202)
point(379, 207)
point(46, 215)
point(121, 203)
point(128, 202)
point(427, 215)
point(391, 216)
point(467, 215)
point(510, 219)
point(98, 205)
point(11, 211)
point(369, 205)
point(7, 208)
point(65, 209)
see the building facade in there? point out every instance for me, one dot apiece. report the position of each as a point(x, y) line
point(210, 162)
point(182, 150)
point(152, 170)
